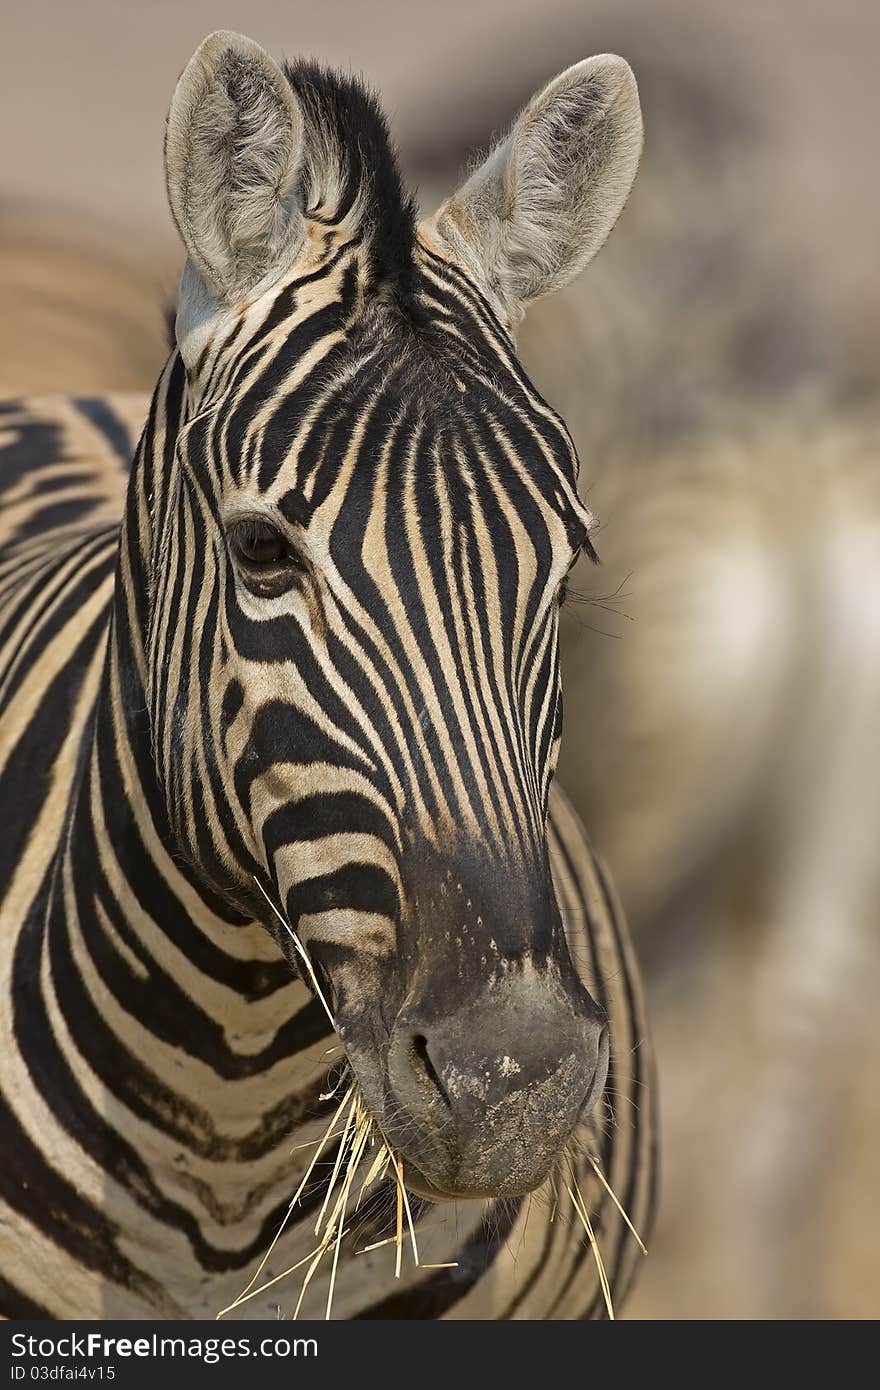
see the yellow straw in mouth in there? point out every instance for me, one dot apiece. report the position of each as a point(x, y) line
point(322, 1143)
point(357, 1135)
point(397, 1164)
point(613, 1195)
point(578, 1204)
point(300, 950)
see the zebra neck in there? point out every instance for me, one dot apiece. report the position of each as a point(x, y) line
point(185, 1052)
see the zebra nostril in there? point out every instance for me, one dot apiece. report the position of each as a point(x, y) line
point(425, 1071)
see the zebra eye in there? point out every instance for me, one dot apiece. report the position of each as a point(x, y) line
point(259, 545)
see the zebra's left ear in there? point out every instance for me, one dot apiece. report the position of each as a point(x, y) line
point(532, 216)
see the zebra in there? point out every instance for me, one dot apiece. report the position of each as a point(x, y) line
point(278, 747)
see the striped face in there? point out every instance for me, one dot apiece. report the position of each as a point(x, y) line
point(353, 664)
point(368, 535)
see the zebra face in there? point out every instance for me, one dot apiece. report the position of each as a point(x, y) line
point(372, 518)
point(388, 601)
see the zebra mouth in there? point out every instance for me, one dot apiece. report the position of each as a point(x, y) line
point(424, 1188)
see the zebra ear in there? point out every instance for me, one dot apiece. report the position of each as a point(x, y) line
point(533, 215)
point(232, 152)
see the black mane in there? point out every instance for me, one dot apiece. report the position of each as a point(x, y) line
point(345, 122)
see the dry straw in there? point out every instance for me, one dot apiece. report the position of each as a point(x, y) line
point(361, 1140)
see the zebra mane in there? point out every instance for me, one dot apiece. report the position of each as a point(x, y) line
point(351, 166)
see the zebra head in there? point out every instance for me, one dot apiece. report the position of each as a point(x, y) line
point(357, 554)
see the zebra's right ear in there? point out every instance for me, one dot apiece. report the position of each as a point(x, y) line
point(233, 146)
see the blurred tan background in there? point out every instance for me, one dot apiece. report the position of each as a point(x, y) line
point(719, 367)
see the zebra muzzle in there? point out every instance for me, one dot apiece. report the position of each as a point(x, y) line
point(483, 1100)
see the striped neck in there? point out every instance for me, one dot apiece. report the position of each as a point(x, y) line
point(198, 1053)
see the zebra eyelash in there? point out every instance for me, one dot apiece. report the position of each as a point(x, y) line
point(585, 549)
